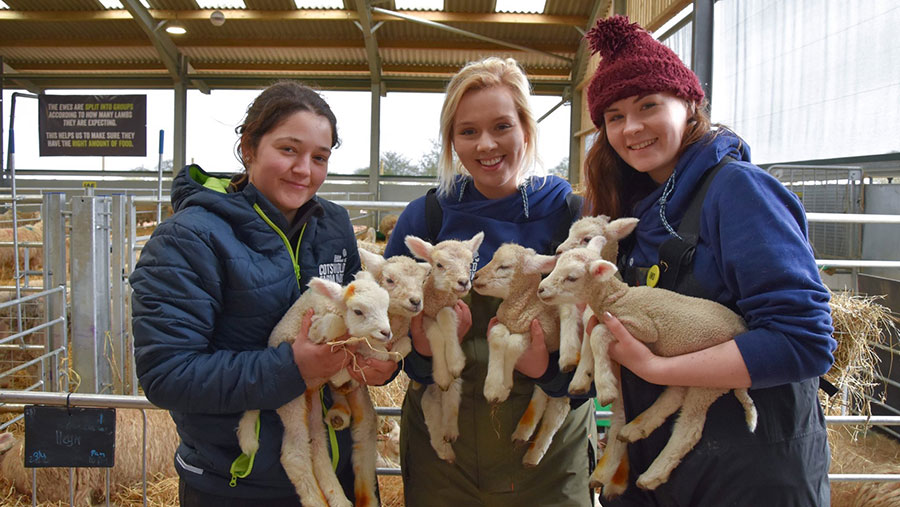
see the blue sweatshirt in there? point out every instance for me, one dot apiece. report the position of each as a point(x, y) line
point(531, 217)
point(754, 255)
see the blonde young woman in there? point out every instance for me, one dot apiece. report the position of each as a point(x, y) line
point(487, 122)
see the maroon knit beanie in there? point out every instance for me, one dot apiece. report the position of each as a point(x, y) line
point(634, 64)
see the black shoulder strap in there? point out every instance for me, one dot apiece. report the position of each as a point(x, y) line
point(434, 215)
point(676, 256)
point(689, 228)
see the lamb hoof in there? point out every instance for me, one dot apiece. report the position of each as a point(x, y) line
point(607, 396)
point(566, 368)
point(577, 390)
point(649, 483)
point(495, 395)
point(630, 433)
point(611, 491)
point(338, 421)
point(445, 452)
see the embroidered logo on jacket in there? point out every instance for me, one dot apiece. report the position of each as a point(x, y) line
point(334, 271)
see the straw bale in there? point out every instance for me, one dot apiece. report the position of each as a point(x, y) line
point(860, 323)
point(32, 314)
point(390, 488)
point(864, 453)
point(89, 486)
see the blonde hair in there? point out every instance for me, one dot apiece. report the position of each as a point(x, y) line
point(480, 75)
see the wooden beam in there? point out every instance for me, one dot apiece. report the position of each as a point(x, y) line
point(293, 15)
point(455, 45)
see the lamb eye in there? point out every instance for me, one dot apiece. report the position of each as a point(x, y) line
point(571, 278)
point(439, 265)
point(586, 240)
point(358, 312)
point(504, 267)
point(389, 280)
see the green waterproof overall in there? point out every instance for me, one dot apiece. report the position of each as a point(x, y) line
point(488, 469)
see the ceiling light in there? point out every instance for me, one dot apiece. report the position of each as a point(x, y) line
point(319, 4)
point(527, 6)
point(419, 5)
point(175, 28)
point(221, 4)
point(3, 5)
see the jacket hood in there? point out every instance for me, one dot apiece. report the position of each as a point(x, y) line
point(195, 187)
point(535, 199)
point(693, 164)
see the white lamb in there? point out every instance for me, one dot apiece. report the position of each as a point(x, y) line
point(513, 274)
point(451, 262)
point(571, 339)
point(360, 309)
point(670, 324)
point(403, 279)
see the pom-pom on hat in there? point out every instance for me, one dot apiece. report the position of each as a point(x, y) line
point(634, 64)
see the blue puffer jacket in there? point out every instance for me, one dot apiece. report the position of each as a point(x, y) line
point(211, 284)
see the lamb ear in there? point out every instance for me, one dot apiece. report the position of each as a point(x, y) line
point(419, 247)
point(364, 275)
point(372, 262)
point(327, 288)
point(475, 242)
point(596, 244)
point(604, 270)
point(620, 228)
point(539, 263)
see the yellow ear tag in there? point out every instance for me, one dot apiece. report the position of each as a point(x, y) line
point(652, 276)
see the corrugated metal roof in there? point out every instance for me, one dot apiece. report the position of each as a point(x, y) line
point(44, 43)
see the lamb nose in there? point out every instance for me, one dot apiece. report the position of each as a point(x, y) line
point(540, 290)
point(415, 301)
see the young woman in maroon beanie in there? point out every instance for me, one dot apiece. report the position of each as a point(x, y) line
point(655, 155)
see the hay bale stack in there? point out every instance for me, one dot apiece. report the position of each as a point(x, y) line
point(869, 453)
point(859, 322)
point(32, 314)
point(53, 483)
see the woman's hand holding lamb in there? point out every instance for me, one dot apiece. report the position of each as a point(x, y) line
point(371, 371)
point(417, 328)
point(534, 361)
point(632, 353)
point(316, 362)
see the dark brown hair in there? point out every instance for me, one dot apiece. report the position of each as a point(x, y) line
point(612, 186)
point(269, 109)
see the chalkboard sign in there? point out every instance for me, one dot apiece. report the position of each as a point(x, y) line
point(69, 437)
